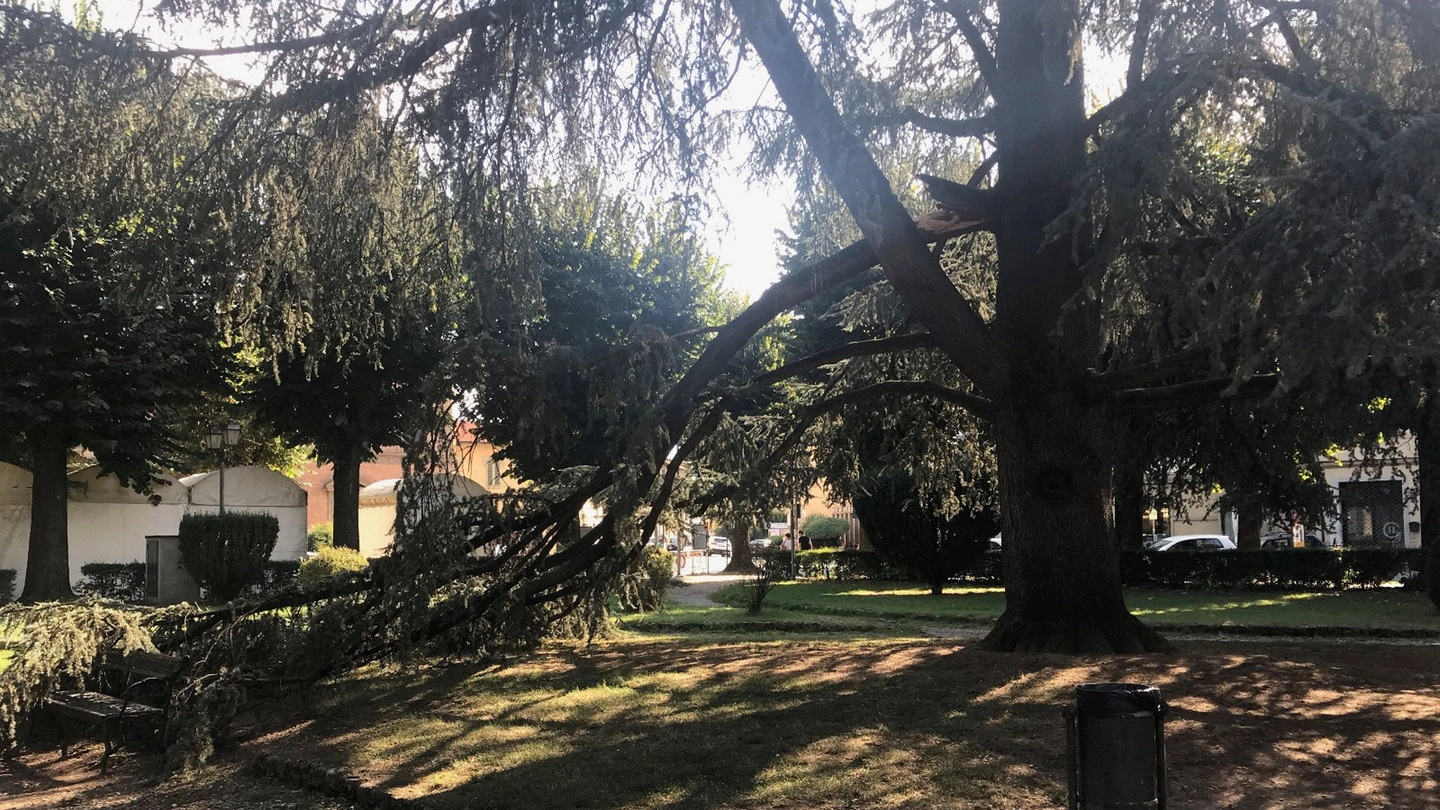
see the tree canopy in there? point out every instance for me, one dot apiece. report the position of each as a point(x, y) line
point(1249, 214)
point(107, 232)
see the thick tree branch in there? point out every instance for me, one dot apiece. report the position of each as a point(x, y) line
point(1186, 363)
point(962, 12)
point(976, 405)
point(834, 354)
point(1303, 59)
point(953, 127)
point(1195, 393)
point(1144, 21)
point(916, 275)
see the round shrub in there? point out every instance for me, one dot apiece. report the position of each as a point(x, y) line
point(824, 527)
point(319, 536)
point(329, 561)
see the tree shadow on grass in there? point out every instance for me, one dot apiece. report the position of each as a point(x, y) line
point(688, 725)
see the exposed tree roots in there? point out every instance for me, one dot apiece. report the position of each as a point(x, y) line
point(1119, 634)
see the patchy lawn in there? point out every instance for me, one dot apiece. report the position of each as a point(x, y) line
point(1384, 610)
point(637, 723)
point(640, 725)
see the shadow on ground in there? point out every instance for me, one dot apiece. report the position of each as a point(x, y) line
point(837, 725)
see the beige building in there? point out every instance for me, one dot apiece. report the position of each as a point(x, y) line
point(476, 458)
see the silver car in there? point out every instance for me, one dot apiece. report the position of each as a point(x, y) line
point(1195, 542)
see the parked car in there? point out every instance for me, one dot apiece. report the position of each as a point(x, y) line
point(760, 544)
point(1278, 541)
point(1195, 542)
point(719, 545)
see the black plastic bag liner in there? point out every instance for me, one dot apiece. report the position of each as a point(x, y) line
point(1117, 699)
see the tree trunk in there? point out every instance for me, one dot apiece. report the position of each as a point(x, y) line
point(1062, 575)
point(1129, 507)
point(346, 484)
point(741, 561)
point(1053, 444)
point(1247, 534)
point(1427, 447)
point(47, 572)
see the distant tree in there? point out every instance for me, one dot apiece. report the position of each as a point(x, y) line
point(370, 228)
point(916, 536)
point(108, 229)
point(824, 527)
point(621, 299)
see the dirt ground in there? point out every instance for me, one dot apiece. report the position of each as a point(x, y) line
point(1253, 726)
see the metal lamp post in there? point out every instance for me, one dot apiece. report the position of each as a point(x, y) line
point(217, 438)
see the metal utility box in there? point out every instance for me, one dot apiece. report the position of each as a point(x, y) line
point(166, 580)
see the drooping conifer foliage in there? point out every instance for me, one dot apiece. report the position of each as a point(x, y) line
point(1248, 213)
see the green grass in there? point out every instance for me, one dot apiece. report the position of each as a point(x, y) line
point(694, 723)
point(680, 724)
point(1384, 611)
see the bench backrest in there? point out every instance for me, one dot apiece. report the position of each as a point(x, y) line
point(139, 664)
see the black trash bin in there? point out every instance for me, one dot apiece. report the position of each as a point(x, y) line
point(1115, 741)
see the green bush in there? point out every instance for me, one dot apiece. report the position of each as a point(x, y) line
point(821, 563)
point(122, 581)
point(824, 527)
point(227, 553)
point(320, 536)
point(642, 588)
point(279, 573)
point(7, 585)
point(1278, 569)
point(329, 561)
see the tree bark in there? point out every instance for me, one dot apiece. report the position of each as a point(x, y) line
point(47, 571)
point(346, 494)
point(1427, 456)
point(1247, 534)
point(1062, 575)
point(1129, 507)
point(741, 561)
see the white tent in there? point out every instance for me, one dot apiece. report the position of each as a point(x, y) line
point(255, 489)
point(14, 521)
point(377, 509)
point(109, 521)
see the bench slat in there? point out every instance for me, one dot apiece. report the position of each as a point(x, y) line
point(98, 705)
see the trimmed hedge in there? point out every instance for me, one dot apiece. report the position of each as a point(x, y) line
point(828, 563)
point(122, 581)
point(227, 553)
point(1271, 569)
point(7, 585)
point(1277, 569)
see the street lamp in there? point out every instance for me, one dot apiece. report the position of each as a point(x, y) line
point(217, 438)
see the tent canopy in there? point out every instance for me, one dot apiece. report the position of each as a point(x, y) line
point(94, 485)
point(15, 483)
point(244, 486)
point(382, 492)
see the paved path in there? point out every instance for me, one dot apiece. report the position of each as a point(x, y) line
point(698, 588)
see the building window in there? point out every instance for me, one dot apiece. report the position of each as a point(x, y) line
point(492, 471)
point(1372, 513)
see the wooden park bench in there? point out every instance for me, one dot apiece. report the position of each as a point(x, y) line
point(120, 679)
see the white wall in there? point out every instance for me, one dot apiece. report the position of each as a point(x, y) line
point(377, 529)
point(108, 522)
